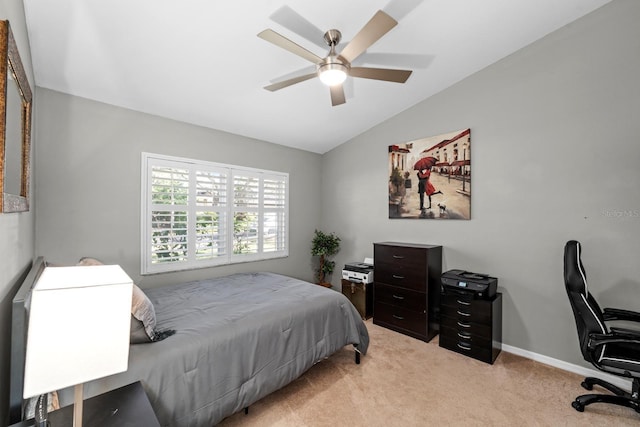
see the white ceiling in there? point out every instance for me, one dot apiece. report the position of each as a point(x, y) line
point(200, 61)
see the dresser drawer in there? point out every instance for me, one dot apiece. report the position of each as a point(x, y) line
point(467, 313)
point(465, 302)
point(404, 256)
point(455, 300)
point(482, 352)
point(396, 276)
point(404, 298)
point(398, 317)
point(463, 325)
point(465, 336)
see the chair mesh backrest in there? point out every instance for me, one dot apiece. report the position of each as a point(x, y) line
point(587, 313)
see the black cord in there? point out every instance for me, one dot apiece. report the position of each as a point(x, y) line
point(41, 411)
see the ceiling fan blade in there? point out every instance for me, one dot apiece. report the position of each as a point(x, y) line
point(386, 74)
point(283, 42)
point(293, 21)
point(378, 26)
point(401, 8)
point(289, 82)
point(308, 69)
point(337, 95)
point(408, 60)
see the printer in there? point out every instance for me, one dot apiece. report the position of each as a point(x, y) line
point(474, 285)
point(360, 272)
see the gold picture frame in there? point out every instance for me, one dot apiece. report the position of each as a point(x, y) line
point(15, 138)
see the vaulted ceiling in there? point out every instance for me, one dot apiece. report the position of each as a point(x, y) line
point(201, 62)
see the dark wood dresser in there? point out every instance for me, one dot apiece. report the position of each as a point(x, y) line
point(472, 327)
point(406, 289)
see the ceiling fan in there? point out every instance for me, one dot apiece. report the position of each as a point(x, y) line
point(334, 68)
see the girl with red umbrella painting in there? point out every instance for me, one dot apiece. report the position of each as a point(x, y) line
point(423, 166)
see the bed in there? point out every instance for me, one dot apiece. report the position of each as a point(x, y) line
point(238, 338)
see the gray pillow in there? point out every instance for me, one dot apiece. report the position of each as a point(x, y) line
point(138, 334)
point(143, 311)
point(85, 260)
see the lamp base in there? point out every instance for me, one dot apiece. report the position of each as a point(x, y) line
point(77, 405)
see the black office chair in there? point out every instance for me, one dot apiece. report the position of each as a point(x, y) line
point(613, 350)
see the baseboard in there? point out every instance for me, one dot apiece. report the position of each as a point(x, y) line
point(570, 367)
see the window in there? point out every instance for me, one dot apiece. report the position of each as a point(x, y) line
point(199, 214)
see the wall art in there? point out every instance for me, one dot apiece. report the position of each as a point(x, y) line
point(430, 178)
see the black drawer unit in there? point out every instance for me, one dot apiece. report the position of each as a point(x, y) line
point(472, 327)
point(406, 291)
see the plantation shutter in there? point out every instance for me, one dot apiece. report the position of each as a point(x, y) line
point(197, 214)
point(169, 219)
point(211, 214)
point(274, 204)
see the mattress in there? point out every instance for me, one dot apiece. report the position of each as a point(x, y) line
point(238, 338)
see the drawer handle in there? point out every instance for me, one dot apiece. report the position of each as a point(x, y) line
point(464, 347)
point(398, 257)
point(463, 302)
point(461, 313)
point(463, 325)
point(395, 276)
point(464, 335)
point(398, 317)
point(398, 297)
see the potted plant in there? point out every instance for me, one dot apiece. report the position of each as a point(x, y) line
point(324, 245)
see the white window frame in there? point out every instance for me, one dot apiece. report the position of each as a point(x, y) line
point(148, 267)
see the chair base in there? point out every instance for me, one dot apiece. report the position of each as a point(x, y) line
point(619, 397)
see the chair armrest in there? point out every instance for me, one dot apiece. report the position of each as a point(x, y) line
point(625, 333)
point(618, 314)
point(619, 336)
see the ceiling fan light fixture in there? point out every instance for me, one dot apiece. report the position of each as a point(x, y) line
point(333, 69)
point(332, 74)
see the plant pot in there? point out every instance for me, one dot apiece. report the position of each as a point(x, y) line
point(325, 284)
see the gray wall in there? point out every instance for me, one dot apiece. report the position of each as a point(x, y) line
point(555, 156)
point(88, 185)
point(16, 229)
point(555, 149)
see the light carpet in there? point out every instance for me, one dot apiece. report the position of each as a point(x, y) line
point(406, 382)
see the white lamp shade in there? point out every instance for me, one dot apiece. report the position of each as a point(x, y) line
point(79, 323)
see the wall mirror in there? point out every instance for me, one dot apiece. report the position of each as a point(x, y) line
point(15, 126)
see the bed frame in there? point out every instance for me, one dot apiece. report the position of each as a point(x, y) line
point(20, 314)
point(19, 321)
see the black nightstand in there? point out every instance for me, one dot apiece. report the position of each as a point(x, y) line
point(360, 295)
point(126, 406)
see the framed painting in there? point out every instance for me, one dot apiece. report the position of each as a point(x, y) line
point(430, 178)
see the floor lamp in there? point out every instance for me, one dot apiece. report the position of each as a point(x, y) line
point(79, 323)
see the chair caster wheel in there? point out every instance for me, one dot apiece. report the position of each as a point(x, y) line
point(577, 406)
point(587, 385)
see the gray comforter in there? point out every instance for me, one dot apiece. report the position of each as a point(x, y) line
point(238, 338)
